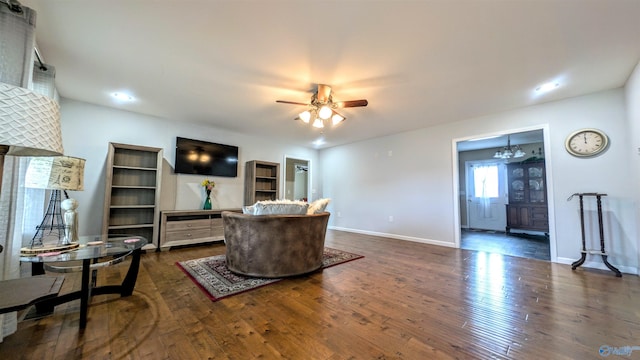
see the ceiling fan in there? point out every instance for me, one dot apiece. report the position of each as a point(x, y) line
point(322, 107)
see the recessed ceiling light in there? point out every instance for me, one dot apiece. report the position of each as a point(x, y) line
point(547, 87)
point(319, 141)
point(122, 96)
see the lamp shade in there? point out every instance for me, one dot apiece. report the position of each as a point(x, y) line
point(29, 123)
point(318, 123)
point(337, 119)
point(305, 116)
point(56, 173)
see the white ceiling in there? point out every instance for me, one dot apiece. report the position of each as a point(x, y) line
point(418, 63)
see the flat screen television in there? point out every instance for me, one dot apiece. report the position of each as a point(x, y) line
point(205, 158)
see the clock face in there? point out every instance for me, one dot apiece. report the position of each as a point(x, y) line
point(586, 142)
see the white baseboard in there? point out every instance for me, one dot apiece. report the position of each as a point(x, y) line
point(394, 236)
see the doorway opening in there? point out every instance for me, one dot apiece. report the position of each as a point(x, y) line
point(503, 205)
point(297, 178)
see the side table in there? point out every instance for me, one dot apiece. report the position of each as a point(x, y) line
point(584, 251)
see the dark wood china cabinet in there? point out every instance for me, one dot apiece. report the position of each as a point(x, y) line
point(527, 207)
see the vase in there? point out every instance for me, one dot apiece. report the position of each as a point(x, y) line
point(207, 202)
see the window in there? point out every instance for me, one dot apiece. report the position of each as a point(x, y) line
point(485, 181)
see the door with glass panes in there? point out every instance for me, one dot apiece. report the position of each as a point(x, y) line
point(486, 195)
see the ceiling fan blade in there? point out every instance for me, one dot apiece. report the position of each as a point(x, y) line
point(324, 91)
point(351, 103)
point(291, 102)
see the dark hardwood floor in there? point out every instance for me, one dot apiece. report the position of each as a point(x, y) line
point(521, 245)
point(404, 300)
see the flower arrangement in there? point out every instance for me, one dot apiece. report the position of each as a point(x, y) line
point(208, 185)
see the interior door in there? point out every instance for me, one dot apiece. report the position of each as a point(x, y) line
point(486, 195)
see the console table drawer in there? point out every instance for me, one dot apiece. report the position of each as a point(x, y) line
point(188, 225)
point(216, 227)
point(217, 231)
point(187, 234)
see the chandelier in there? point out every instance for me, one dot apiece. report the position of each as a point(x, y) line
point(318, 113)
point(509, 151)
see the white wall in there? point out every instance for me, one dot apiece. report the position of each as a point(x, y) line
point(407, 176)
point(632, 92)
point(87, 130)
point(410, 176)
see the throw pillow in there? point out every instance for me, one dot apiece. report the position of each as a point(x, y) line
point(250, 210)
point(280, 207)
point(318, 206)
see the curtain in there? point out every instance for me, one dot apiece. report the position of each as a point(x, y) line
point(22, 211)
point(44, 80)
point(485, 178)
point(9, 258)
point(17, 45)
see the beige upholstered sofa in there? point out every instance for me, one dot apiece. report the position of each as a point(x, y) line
point(274, 246)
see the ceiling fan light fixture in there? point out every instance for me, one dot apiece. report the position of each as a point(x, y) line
point(318, 123)
point(321, 106)
point(336, 119)
point(305, 116)
point(325, 112)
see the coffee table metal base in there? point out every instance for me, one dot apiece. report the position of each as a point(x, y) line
point(88, 289)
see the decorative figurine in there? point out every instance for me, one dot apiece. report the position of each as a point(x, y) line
point(70, 221)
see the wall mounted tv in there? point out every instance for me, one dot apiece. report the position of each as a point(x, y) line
point(205, 158)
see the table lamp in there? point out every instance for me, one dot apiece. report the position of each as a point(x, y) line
point(57, 173)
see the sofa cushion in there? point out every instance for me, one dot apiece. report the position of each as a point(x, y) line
point(318, 206)
point(280, 207)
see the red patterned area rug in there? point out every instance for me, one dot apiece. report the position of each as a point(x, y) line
point(213, 277)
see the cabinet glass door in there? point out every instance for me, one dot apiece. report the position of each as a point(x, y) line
point(516, 185)
point(536, 184)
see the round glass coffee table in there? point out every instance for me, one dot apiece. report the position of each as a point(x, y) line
point(92, 253)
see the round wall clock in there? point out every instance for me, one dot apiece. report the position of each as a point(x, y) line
point(586, 142)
